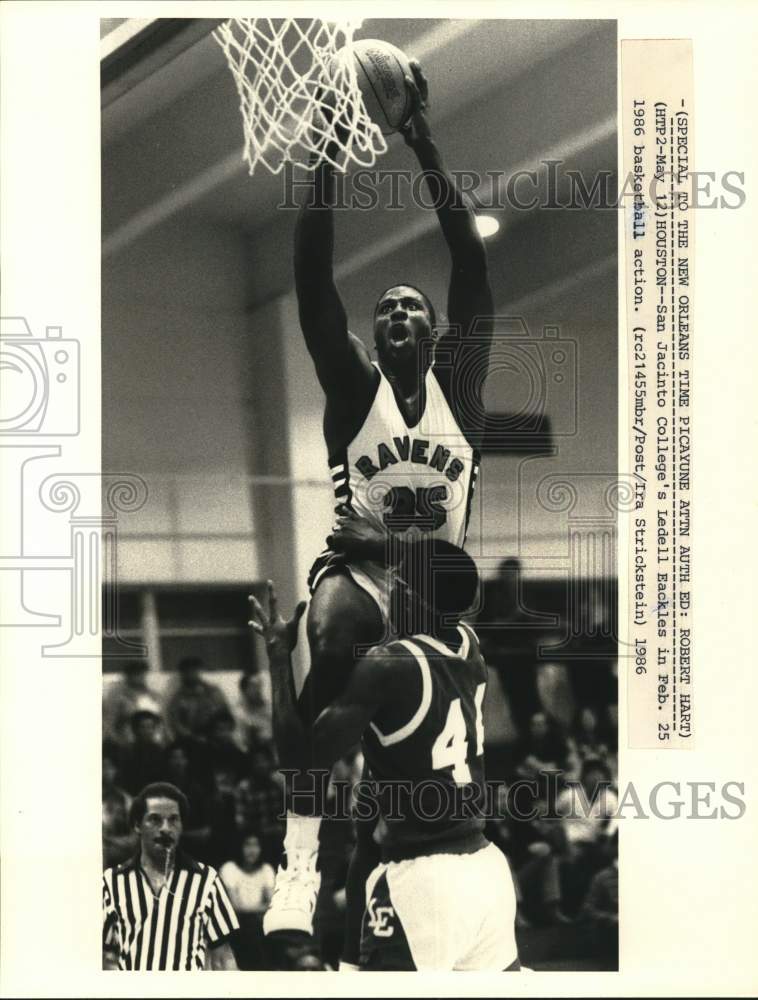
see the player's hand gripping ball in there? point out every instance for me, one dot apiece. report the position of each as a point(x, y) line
point(381, 71)
point(417, 128)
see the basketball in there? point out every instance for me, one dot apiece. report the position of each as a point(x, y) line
point(381, 69)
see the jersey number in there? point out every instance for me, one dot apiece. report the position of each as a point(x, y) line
point(451, 746)
point(419, 508)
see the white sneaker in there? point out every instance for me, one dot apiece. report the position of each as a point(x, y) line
point(294, 898)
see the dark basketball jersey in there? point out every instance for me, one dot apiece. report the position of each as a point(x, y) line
point(425, 752)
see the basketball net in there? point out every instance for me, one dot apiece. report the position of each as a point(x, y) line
point(296, 97)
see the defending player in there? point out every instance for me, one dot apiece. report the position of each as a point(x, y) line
point(443, 897)
point(400, 452)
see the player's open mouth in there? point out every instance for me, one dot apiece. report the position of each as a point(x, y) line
point(398, 333)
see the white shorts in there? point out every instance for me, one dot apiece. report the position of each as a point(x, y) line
point(441, 912)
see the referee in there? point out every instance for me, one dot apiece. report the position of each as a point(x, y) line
point(161, 909)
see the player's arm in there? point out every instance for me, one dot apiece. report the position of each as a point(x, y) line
point(374, 682)
point(342, 362)
point(281, 638)
point(469, 293)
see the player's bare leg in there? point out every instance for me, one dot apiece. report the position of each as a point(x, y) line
point(341, 619)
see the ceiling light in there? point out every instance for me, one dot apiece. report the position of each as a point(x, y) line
point(487, 225)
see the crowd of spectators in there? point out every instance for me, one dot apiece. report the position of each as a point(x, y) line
point(219, 752)
point(550, 748)
point(553, 752)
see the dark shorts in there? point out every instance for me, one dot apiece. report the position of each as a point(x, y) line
point(384, 946)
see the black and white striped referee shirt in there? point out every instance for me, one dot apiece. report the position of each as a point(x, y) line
point(171, 930)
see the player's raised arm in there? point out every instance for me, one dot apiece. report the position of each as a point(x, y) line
point(469, 294)
point(340, 358)
point(376, 680)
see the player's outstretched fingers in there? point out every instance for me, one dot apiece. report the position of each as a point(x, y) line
point(260, 621)
point(273, 606)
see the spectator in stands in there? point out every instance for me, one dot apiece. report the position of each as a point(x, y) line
point(143, 761)
point(222, 751)
point(250, 883)
point(543, 749)
point(533, 848)
point(179, 772)
point(588, 816)
point(595, 684)
point(586, 736)
point(601, 907)
point(252, 710)
point(261, 799)
point(194, 703)
point(509, 633)
point(119, 840)
point(222, 806)
point(573, 764)
point(500, 732)
point(123, 698)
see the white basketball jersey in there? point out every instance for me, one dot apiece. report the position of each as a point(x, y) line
point(398, 476)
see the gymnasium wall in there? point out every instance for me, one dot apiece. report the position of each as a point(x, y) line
point(175, 403)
